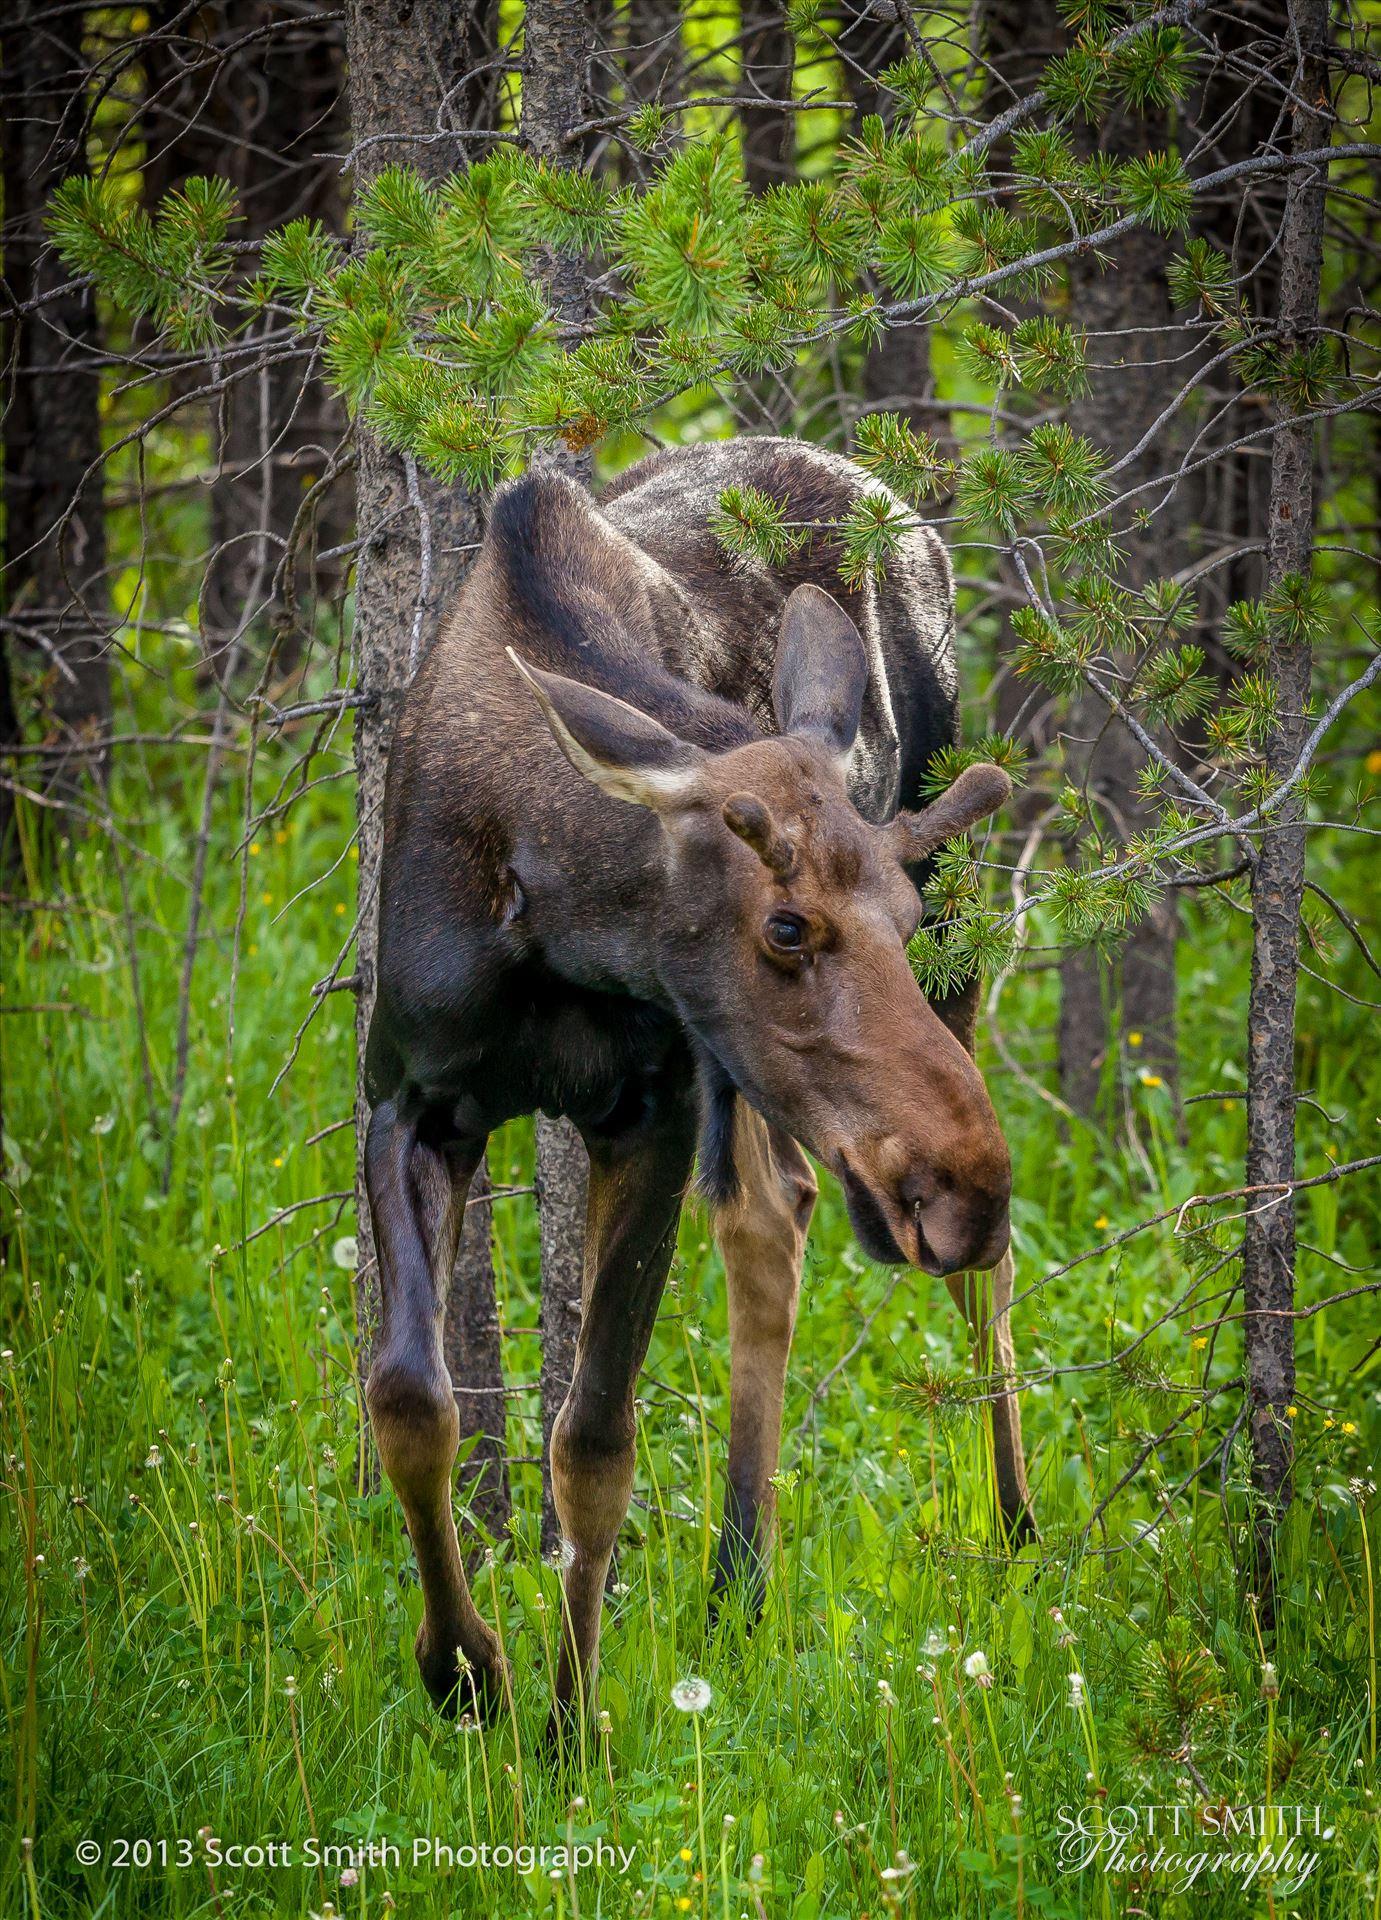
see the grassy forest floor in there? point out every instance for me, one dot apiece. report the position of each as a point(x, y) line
point(218, 1635)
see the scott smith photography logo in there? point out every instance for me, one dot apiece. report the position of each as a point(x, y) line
point(1191, 1846)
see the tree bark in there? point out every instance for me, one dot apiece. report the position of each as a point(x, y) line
point(768, 133)
point(55, 549)
point(558, 42)
point(897, 373)
point(414, 533)
point(1277, 880)
point(269, 119)
point(1122, 1005)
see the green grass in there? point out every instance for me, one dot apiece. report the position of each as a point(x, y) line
point(168, 1381)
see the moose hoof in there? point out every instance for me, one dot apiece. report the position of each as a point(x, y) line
point(456, 1689)
point(1020, 1529)
point(561, 1737)
point(740, 1576)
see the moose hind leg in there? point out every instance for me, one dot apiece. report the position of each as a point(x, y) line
point(417, 1201)
point(986, 1303)
point(993, 1347)
point(762, 1237)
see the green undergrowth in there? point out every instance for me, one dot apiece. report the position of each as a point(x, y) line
point(207, 1624)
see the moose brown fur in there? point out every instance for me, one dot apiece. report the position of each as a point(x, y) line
point(651, 853)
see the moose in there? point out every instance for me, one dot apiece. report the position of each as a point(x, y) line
point(652, 848)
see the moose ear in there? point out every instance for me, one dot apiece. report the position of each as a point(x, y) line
point(822, 670)
point(623, 751)
point(979, 791)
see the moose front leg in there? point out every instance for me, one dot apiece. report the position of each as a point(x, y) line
point(985, 1300)
point(986, 1303)
point(417, 1201)
point(762, 1236)
point(637, 1181)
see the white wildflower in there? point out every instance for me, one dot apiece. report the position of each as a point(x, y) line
point(691, 1695)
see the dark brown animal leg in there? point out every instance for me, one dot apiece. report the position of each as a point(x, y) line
point(762, 1236)
point(637, 1181)
point(993, 1349)
point(417, 1200)
point(985, 1300)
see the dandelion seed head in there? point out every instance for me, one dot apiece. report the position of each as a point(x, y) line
point(691, 1695)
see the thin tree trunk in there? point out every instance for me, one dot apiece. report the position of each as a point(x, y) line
point(652, 62)
point(1123, 1005)
point(558, 42)
point(768, 133)
point(270, 121)
point(897, 372)
point(1277, 881)
point(55, 550)
point(414, 531)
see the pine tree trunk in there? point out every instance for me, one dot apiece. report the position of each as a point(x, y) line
point(769, 133)
point(1277, 881)
point(55, 549)
point(414, 535)
point(558, 41)
point(1118, 1012)
point(897, 372)
point(652, 58)
point(269, 121)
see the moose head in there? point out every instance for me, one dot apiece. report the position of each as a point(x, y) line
point(780, 935)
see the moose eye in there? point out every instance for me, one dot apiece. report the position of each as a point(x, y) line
point(786, 933)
